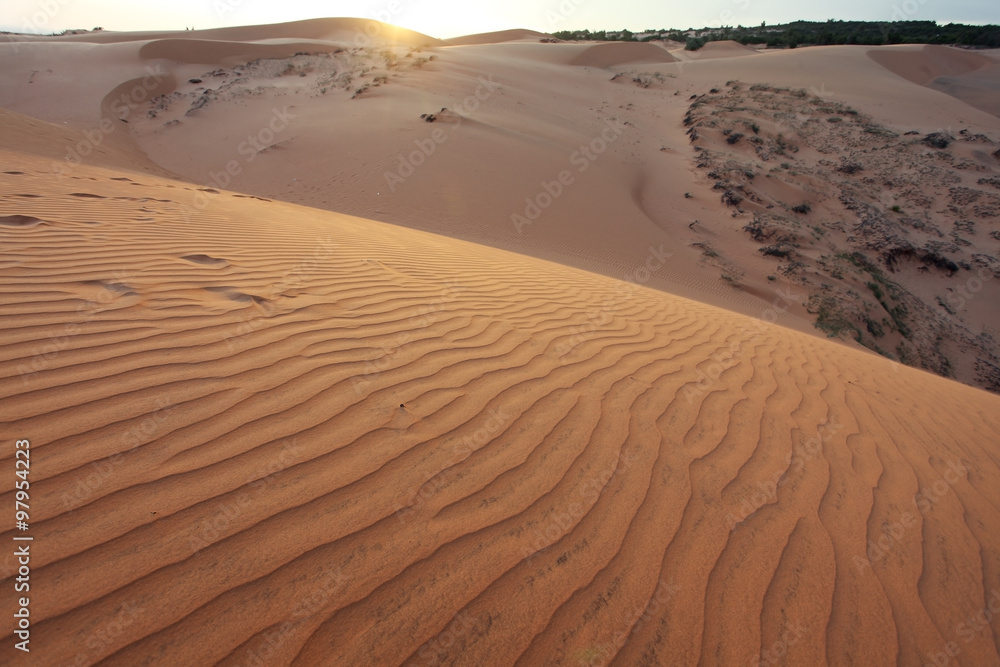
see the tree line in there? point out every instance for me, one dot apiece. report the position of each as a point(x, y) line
point(811, 33)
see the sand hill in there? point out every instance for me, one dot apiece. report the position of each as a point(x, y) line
point(496, 37)
point(265, 432)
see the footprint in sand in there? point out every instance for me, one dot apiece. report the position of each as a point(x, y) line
point(22, 221)
point(116, 288)
point(233, 294)
point(205, 260)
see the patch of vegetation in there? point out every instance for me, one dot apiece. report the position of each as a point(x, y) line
point(903, 354)
point(776, 251)
point(879, 131)
point(730, 198)
point(874, 328)
point(694, 43)
point(802, 208)
point(811, 33)
point(831, 319)
point(939, 140)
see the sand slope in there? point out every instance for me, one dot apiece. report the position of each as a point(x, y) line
point(329, 29)
point(625, 53)
point(924, 64)
point(269, 434)
point(502, 141)
point(496, 37)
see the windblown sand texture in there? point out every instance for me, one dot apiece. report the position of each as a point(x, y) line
point(267, 433)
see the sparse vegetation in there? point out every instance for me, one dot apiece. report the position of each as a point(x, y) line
point(694, 43)
point(939, 140)
point(890, 204)
point(776, 251)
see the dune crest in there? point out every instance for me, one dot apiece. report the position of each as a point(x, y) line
point(626, 53)
point(496, 37)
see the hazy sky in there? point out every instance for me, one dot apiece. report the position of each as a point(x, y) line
point(450, 18)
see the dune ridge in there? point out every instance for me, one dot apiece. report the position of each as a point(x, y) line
point(496, 37)
point(327, 29)
point(626, 53)
point(190, 51)
point(929, 63)
point(286, 435)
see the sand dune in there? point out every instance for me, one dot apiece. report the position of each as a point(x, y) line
point(923, 64)
point(268, 432)
point(625, 53)
point(496, 37)
point(331, 29)
point(718, 49)
point(191, 51)
point(970, 77)
point(274, 433)
point(67, 146)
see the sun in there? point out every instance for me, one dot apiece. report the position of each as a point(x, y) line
point(445, 19)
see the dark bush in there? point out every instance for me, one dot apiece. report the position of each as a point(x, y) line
point(939, 140)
